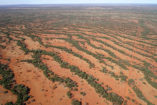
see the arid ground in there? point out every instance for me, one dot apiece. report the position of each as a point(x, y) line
point(78, 55)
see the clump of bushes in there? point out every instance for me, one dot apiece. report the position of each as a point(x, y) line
point(69, 94)
point(9, 83)
point(2, 46)
point(49, 74)
point(36, 38)
point(131, 82)
point(123, 77)
point(91, 65)
point(76, 102)
point(23, 46)
point(83, 93)
point(117, 77)
point(89, 78)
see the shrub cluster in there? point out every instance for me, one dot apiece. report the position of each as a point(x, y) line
point(76, 102)
point(23, 46)
point(90, 79)
point(9, 83)
point(69, 94)
point(139, 94)
point(117, 77)
point(49, 74)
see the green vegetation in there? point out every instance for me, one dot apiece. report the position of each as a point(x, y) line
point(100, 58)
point(49, 74)
point(123, 77)
point(144, 69)
point(36, 38)
point(2, 46)
point(91, 65)
point(106, 50)
point(148, 75)
point(83, 93)
point(113, 97)
point(9, 83)
point(117, 77)
point(139, 94)
point(8, 36)
point(76, 102)
point(90, 79)
point(23, 46)
point(89, 30)
point(69, 94)
point(119, 42)
point(145, 31)
point(131, 82)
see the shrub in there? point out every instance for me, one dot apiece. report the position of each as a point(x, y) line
point(9, 103)
point(131, 82)
point(83, 93)
point(23, 46)
point(69, 94)
point(76, 102)
point(9, 83)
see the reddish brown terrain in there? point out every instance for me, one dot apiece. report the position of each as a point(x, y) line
point(78, 55)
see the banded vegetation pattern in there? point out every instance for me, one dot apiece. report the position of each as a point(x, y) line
point(78, 55)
